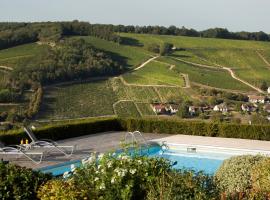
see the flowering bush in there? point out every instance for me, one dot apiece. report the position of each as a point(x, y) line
point(123, 176)
point(20, 183)
point(118, 177)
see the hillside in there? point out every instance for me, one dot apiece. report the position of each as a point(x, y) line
point(199, 63)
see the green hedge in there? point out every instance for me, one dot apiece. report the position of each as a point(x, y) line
point(66, 130)
point(148, 125)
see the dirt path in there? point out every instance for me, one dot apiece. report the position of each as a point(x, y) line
point(263, 58)
point(9, 104)
point(145, 63)
point(186, 79)
point(233, 75)
point(6, 68)
point(242, 81)
point(141, 85)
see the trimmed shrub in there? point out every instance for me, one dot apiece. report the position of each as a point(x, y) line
point(261, 177)
point(234, 175)
point(20, 183)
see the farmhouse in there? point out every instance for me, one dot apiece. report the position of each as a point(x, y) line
point(221, 108)
point(256, 99)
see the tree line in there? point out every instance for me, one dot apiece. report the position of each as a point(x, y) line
point(12, 34)
point(209, 33)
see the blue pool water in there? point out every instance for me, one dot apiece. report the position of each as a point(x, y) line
point(200, 161)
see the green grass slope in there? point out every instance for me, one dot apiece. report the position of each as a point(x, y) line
point(155, 73)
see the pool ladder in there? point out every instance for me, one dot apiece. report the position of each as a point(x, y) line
point(135, 136)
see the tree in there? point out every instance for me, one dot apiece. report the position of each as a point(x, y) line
point(165, 49)
point(264, 86)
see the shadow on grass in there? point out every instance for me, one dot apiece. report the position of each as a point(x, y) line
point(130, 42)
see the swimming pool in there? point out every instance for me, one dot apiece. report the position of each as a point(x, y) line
point(197, 158)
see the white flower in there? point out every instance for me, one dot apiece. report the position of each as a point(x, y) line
point(102, 186)
point(96, 179)
point(113, 180)
point(132, 171)
point(66, 175)
point(109, 164)
point(100, 155)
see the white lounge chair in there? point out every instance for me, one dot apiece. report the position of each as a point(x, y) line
point(46, 143)
point(20, 151)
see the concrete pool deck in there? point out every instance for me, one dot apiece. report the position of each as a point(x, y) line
point(104, 142)
point(217, 142)
point(100, 142)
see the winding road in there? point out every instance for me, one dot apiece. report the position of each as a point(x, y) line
point(6, 68)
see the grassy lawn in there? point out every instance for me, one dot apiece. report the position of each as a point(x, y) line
point(12, 56)
point(210, 77)
point(133, 56)
point(155, 73)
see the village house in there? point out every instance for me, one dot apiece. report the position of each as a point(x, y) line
point(192, 110)
point(221, 108)
point(159, 108)
point(165, 109)
point(248, 107)
point(173, 108)
point(268, 90)
point(256, 99)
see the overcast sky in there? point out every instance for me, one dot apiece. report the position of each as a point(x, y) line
point(236, 15)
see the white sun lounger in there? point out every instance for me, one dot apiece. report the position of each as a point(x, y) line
point(45, 143)
point(20, 151)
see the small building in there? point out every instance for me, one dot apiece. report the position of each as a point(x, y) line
point(268, 90)
point(268, 118)
point(192, 110)
point(159, 108)
point(173, 108)
point(256, 99)
point(245, 108)
point(221, 108)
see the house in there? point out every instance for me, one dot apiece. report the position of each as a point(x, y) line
point(249, 107)
point(221, 108)
point(192, 110)
point(173, 108)
point(245, 108)
point(256, 99)
point(267, 108)
point(268, 118)
point(268, 90)
point(159, 108)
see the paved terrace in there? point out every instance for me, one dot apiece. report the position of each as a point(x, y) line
point(101, 142)
point(108, 141)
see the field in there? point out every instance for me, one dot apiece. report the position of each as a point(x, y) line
point(210, 77)
point(106, 97)
point(155, 73)
point(241, 56)
point(80, 100)
point(3, 79)
point(12, 56)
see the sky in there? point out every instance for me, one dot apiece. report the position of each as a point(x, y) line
point(236, 15)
